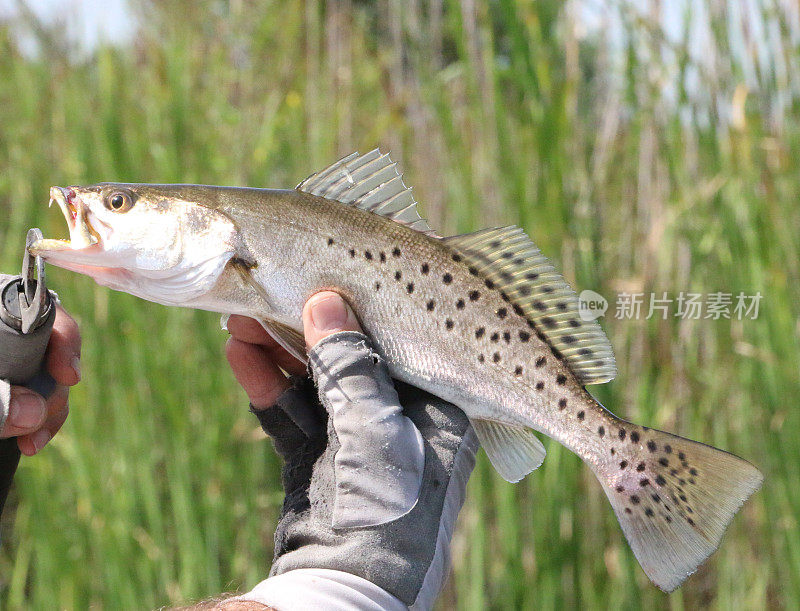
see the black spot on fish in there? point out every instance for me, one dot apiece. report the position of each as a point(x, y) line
point(496, 357)
point(548, 289)
point(518, 371)
point(494, 244)
point(628, 510)
point(495, 337)
point(377, 286)
point(448, 323)
point(519, 261)
point(562, 306)
point(574, 324)
point(601, 430)
point(562, 403)
point(644, 482)
point(474, 295)
point(507, 337)
point(660, 480)
point(691, 480)
point(539, 385)
point(557, 353)
point(651, 445)
point(479, 332)
point(622, 433)
point(398, 274)
point(504, 297)
point(693, 471)
point(368, 255)
point(481, 358)
point(396, 252)
point(683, 497)
point(623, 464)
point(502, 313)
point(447, 278)
point(581, 415)
point(640, 467)
point(613, 451)
point(524, 290)
point(531, 276)
point(655, 497)
point(584, 352)
point(473, 271)
point(382, 257)
point(430, 305)
point(681, 456)
point(518, 310)
point(620, 488)
point(561, 379)
point(330, 241)
point(456, 257)
point(410, 287)
point(489, 284)
point(634, 499)
point(507, 255)
point(648, 512)
point(524, 336)
point(673, 472)
point(425, 268)
point(668, 519)
point(548, 322)
point(460, 304)
point(668, 449)
point(663, 462)
point(690, 521)
point(540, 362)
point(352, 252)
point(634, 437)
point(569, 339)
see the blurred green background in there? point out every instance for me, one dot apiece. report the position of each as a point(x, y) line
point(646, 146)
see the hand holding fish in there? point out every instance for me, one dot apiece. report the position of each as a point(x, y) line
point(374, 476)
point(34, 419)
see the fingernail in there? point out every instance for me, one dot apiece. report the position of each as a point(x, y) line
point(75, 363)
point(329, 314)
point(40, 438)
point(27, 410)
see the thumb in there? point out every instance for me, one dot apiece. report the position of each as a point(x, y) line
point(327, 313)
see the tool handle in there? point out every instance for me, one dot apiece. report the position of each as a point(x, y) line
point(21, 363)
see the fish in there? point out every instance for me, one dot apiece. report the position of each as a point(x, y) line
point(482, 320)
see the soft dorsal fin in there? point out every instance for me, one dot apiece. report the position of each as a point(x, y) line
point(370, 182)
point(509, 258)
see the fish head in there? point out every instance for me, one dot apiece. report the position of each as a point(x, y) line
point(161, 244)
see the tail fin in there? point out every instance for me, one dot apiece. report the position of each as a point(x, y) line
point(673, 497)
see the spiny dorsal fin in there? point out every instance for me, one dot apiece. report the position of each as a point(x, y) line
point(370, 182)
point(509, 258)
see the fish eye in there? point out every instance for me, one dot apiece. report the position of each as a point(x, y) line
point(119, 201)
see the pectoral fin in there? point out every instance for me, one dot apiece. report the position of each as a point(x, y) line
point(289, 339)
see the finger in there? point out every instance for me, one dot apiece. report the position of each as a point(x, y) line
point(34, 442)
point(326, 313)
point(251, 331)
point(26, 412)
point(257, 373)
point(63, 356)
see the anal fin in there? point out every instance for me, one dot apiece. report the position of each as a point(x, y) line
point(514, 451)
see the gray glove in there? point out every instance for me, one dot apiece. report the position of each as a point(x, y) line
point(372, 488)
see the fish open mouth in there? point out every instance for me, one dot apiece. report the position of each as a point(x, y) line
point(81, 233)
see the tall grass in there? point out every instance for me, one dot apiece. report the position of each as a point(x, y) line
point(636, 159)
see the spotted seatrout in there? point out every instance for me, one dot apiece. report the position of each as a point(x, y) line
point(482, 320)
